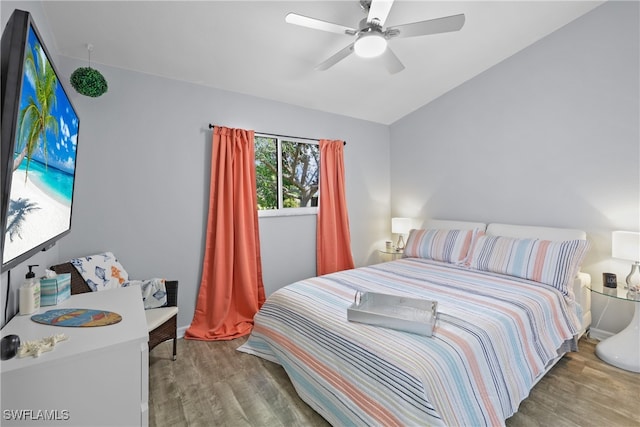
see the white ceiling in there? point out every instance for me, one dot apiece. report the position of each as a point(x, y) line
point(246, 47)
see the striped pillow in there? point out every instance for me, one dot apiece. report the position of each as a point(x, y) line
point(450, 246)
point(545, 261)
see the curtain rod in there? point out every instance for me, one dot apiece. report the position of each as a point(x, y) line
point(282, 136)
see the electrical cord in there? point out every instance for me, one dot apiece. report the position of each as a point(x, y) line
point(6, 301)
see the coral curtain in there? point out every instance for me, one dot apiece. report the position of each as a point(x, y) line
point(333, 239)
point(231, 290)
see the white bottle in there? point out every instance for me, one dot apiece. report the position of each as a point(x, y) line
point(30, 293)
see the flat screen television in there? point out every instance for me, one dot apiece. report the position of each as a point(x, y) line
point(39, 145)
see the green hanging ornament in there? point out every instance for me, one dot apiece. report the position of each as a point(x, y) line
point(89, 81)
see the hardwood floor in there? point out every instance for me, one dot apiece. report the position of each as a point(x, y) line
point(212, 384)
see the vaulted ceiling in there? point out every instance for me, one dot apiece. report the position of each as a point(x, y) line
point(247, 47)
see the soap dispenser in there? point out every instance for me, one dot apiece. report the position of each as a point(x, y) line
point(30, 293)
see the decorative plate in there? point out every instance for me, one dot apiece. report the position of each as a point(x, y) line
point(77, 317)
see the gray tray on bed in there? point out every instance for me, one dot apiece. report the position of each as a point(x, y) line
point(413, 315)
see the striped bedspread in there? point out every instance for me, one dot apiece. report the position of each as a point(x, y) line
point(493, 338)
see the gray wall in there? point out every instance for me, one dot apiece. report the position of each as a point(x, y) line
point(548, 137)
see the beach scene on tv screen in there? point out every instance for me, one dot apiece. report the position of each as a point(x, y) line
point(44, 158)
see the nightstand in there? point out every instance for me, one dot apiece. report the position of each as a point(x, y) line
point(622, 349)
point(390, 254)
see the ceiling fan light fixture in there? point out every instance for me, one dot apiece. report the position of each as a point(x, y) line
point(370, 45)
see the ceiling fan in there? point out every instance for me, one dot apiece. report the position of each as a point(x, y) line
point(372, 36)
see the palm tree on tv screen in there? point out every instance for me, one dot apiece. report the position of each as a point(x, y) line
point(35, 118)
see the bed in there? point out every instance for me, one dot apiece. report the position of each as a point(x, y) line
point(502, 323)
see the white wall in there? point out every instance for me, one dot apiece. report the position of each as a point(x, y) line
point(548, 137)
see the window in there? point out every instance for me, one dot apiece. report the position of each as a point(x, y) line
point(287, 175)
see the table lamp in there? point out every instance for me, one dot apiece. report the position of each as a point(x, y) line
point(626, 245)
point(400, 226)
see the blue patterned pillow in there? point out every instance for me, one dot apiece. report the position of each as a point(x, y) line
point(154, 292)
point(101, 271)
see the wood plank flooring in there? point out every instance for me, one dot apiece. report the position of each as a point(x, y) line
point(212, 384)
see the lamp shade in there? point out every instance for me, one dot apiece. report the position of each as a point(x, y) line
point(625, 245)
point(400, 225)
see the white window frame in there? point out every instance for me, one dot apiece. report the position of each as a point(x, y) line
point(282, 211)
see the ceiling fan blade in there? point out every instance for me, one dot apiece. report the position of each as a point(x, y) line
point(379, 9)
point(317, 24)
point(391, 61)
point(431, 26)
point(337, 57)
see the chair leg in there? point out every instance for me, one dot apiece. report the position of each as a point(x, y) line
point(175, 343)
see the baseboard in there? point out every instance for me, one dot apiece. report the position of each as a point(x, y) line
point(180, 331)
point(599, 334)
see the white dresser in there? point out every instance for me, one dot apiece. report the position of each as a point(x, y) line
point(99, 376)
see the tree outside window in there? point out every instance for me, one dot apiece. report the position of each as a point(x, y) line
point(287, 175)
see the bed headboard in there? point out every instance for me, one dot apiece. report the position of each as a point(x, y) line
point(527, 231)
point(444, 224)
